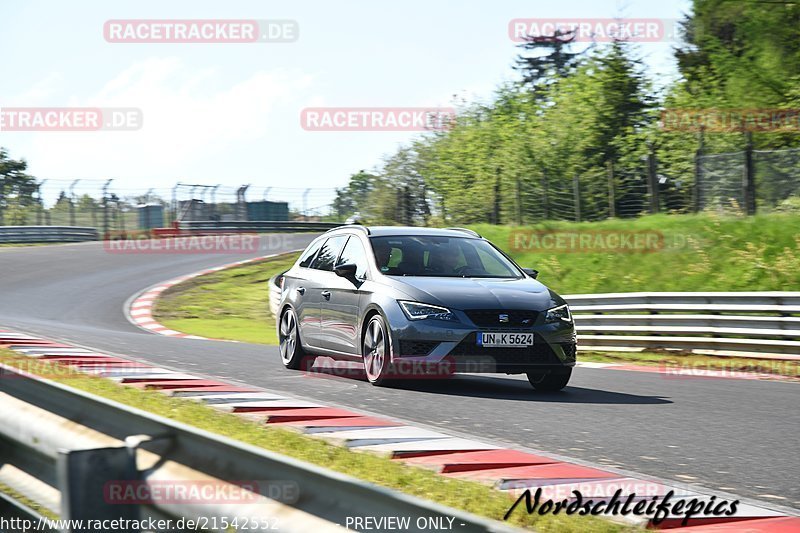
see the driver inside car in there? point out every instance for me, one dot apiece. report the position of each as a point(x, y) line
point(446, 259)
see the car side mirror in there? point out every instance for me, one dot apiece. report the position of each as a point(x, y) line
point(531, 272)
point(345, 270)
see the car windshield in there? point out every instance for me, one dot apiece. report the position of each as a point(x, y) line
point(430, 256)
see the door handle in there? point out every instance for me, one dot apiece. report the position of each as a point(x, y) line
point(301, 290)
point(326, 295)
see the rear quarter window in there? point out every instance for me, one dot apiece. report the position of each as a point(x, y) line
point(309, 254)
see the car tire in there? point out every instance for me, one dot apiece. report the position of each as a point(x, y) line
point(291, 348)
point(375, 351)
point(550, 381)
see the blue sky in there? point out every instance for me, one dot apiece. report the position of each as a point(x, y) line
point(229, 113)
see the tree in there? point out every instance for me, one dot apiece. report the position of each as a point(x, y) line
point(546, 58)
point(17, 188)
point(353, 198)
point(747, 53)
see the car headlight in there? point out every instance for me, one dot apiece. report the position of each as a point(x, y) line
point(420, 311)
point(558, 314)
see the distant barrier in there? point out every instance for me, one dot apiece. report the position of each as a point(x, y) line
point(43, 234)
point(37, 234)
point(254, 226)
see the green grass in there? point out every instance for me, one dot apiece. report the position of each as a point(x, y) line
point(44, 511)
point(700, 253)
point(470, 496)
point(231, 304)
point(25, 244)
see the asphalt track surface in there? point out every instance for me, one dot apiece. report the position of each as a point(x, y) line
point(737, 436)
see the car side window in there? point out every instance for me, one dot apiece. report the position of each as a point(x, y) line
point(354, 253)
point(310, 253)
point(328, 253)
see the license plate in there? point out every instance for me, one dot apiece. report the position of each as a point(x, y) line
point(505, 340)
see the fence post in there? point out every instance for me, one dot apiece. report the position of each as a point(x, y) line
point(576, 186)
point(612, 193)
point(496, 204)
point(72, 203)
point(241, 202)
point(174, 211)
point(407, 210)
point(105, 209)
point(40, 212)
point(749, 178)
point(652, 182)
point(545, 184)
point(698, 171)
point(519, 201)
point(2, 194)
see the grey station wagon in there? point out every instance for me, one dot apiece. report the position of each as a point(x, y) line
point(413, 302)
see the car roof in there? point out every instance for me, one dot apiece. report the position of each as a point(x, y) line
point(395, 231)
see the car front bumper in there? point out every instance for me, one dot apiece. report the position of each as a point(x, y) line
point(421, 343)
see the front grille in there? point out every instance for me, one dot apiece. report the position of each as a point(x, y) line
point(417, 348)
point(491, 318)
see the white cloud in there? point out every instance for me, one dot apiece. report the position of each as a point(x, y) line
point(190, 115)
point(40, 92)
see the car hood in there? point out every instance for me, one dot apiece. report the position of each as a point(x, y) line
point(479, 293)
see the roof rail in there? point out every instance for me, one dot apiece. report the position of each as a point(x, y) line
point(351, 226)
point(466, 230)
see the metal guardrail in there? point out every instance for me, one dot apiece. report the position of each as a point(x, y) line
point(257, 226)
point(35, 234)
point(752, 324)
point(69, 445)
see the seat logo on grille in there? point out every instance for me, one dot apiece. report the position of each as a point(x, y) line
point(502, 317)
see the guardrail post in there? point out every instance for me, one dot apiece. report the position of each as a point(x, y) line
point(85, 479)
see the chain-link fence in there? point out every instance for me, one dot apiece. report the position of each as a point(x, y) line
point(777, 179)
point(99, 204)
point(613, 192)
point(741, 182)
point(735, 183)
